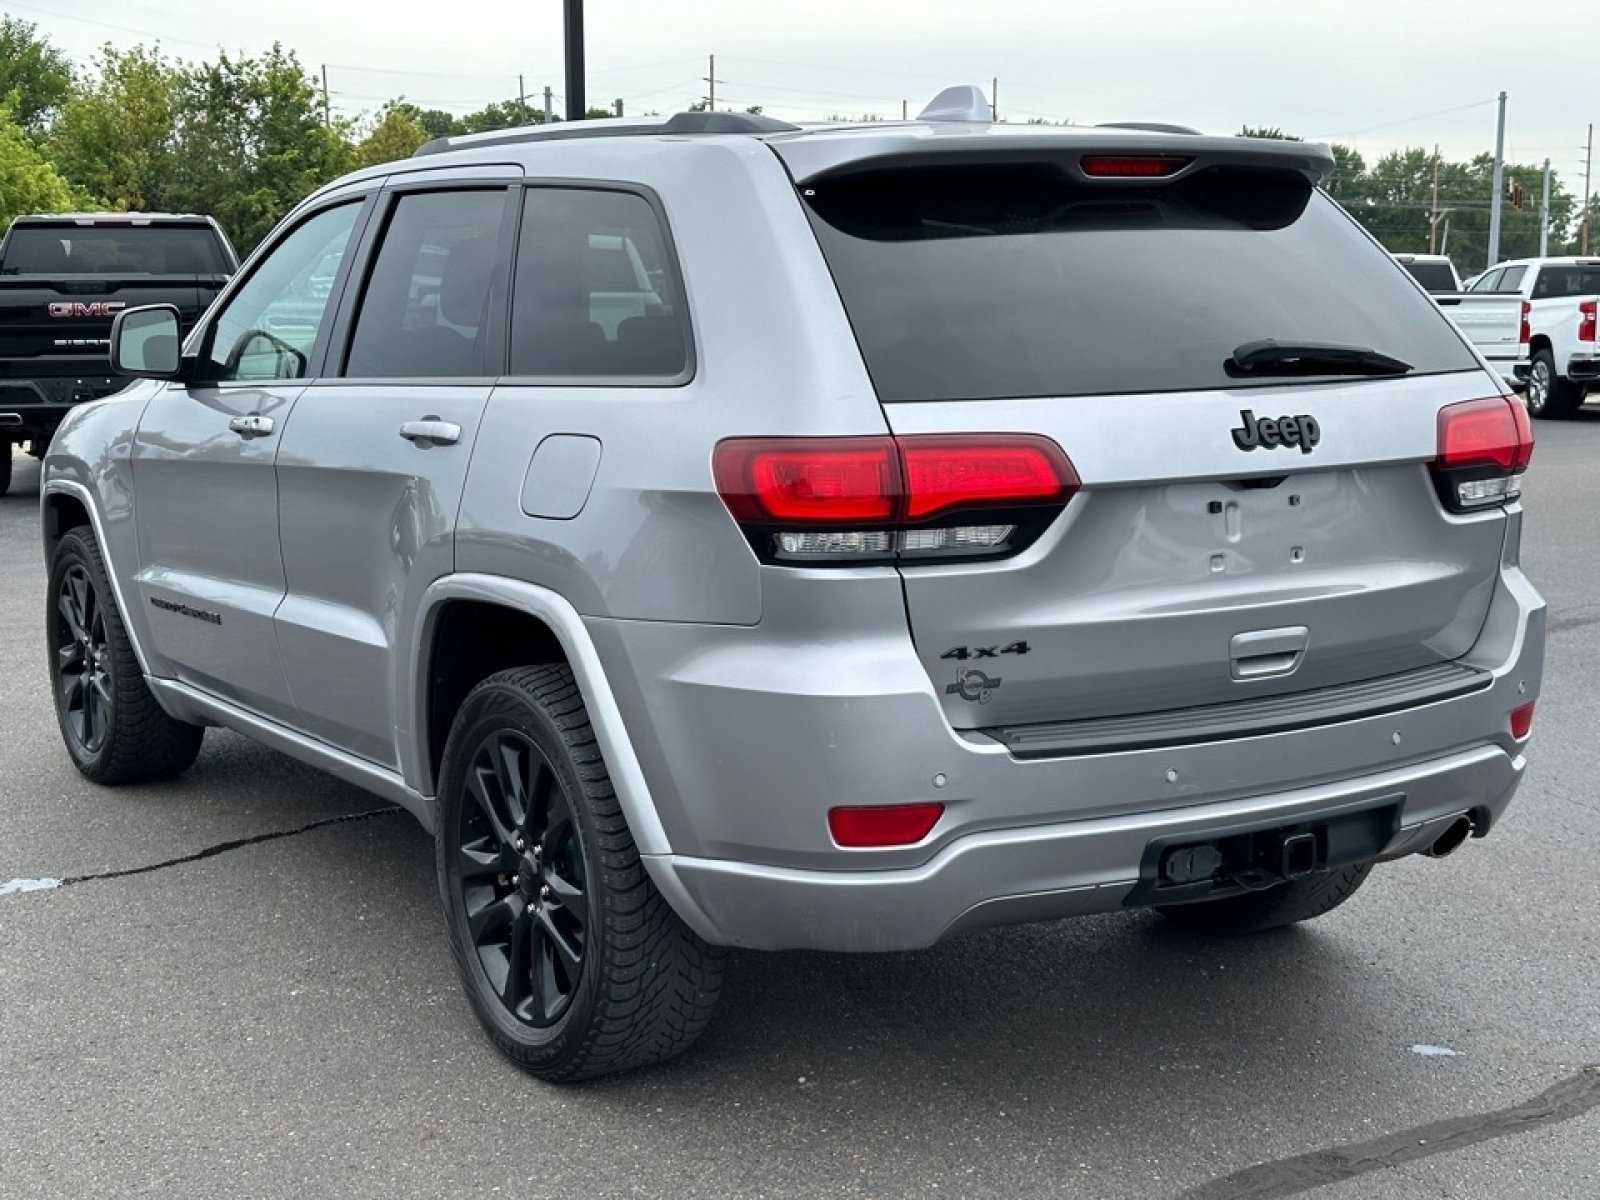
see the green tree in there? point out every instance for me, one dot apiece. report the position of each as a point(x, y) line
point(507, 114)
point(29, 183)
point(439, 123)
point(1268, 131)
point(35, 77)
point(255, 142)
point(395, 134)
point(117, 135)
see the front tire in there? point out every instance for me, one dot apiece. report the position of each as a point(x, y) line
point(112, 725)
point(573, 962)
point(1286, 904)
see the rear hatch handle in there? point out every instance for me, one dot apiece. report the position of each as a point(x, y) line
point(1268, 653)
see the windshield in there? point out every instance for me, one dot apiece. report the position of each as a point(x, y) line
point(987, 281)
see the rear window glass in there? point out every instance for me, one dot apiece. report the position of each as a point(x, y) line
point(1567, 281)
point(1435, 276)
point(113, 250)
point(973, 282)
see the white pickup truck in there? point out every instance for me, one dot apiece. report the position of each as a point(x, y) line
point(1562, 299)
point(1496, 324)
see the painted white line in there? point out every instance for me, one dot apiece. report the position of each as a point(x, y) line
point(1433, 1051)
point(28, 885)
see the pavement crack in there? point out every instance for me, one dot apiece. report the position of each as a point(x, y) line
point(225, 847)
point(1571, 1097)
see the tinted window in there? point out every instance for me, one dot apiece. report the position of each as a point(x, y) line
point(1567, 281)
point(595, 294)
point(424, 313)
point(1488, 283)
point(1435, 276)
point(990, 281)
point(269, 326)
point(114, 250)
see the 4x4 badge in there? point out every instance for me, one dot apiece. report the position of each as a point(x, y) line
point(974, 685)
point(1253, 431)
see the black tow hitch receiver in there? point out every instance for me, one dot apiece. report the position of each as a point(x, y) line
point(1249, 857)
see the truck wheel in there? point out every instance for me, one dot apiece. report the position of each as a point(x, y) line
point(573, 962)
point(5, 467)
point(114, 729)
point(1297, 900)
point(1548, 395)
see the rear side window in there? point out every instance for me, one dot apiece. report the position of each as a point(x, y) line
point(1435, 276)
point(425, 310)
point(114, 250)
point(974, 282)
point(595, 294)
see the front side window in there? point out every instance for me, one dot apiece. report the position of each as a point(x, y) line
point(1511, 281)
point(595, 293)
point(425, 310)
point(269, 326)
point(1489, 282)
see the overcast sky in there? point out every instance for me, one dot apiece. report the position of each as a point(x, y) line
point(1375, 74)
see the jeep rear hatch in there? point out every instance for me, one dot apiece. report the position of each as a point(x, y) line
point(1247, 394)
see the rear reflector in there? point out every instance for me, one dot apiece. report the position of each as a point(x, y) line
point(1131, 166)
point(1522, 721)
point(883, 824)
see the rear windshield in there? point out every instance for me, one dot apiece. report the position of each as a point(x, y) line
point(1435, 276)
point(113, 250)
point(1567, 281)
point(989, 281)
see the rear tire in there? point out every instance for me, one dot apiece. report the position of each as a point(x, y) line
point(5, 467)
point(1548, 396)
point(573, 962)
point(112, 725)
point(1286, 904)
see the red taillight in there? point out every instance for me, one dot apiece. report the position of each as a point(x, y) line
point(1586, 320)
point(1522, 721)
point(883, 824)
point(882, 498)
point(1526, 335)
point(810, 481)
point(1131, 166)
point(1484, 446)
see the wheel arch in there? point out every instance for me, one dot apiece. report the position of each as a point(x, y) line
point(65, 505)
point(471, 626)
point(1538, 342)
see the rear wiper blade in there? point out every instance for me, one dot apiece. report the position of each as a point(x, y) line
point(1272, 357)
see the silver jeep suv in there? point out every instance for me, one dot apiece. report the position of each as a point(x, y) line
point(724, 533)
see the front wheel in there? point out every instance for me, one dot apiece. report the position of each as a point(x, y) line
point(5, 467)
point(112, 725)
point(1285, 904)
point(573, 962)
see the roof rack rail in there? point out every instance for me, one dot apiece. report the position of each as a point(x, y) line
point(1150, 127)
point(677, 124)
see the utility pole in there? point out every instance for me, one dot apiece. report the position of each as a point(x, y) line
point(994, 99)
point(711, 79)
point(522, 101)
point(549, 105)
point(1499, 185)
point(1433, 213)
point(576, 105)
point(902, 110)
point(327, 108)
point(1588, 159)
point(1544, 214)
point(617, 104)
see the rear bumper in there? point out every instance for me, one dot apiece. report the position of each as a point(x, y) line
point(38, 405)
point(1069, 869)
point(1583, 370)
point(748, 735)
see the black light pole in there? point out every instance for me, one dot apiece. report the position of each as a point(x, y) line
point(576, 107)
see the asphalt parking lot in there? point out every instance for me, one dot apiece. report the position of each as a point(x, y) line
point(244, 990)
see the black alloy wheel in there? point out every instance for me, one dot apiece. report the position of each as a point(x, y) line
point(520, 877)
point(83, 658)
point(573, 962)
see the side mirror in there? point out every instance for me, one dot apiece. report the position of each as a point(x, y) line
point(144, 342)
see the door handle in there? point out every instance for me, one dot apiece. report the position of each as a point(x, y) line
point(431, 431)
point(253, 426)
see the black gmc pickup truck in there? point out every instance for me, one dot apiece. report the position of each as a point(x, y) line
point(63, 279)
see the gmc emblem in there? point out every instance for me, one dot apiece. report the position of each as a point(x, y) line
point(95, 308)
